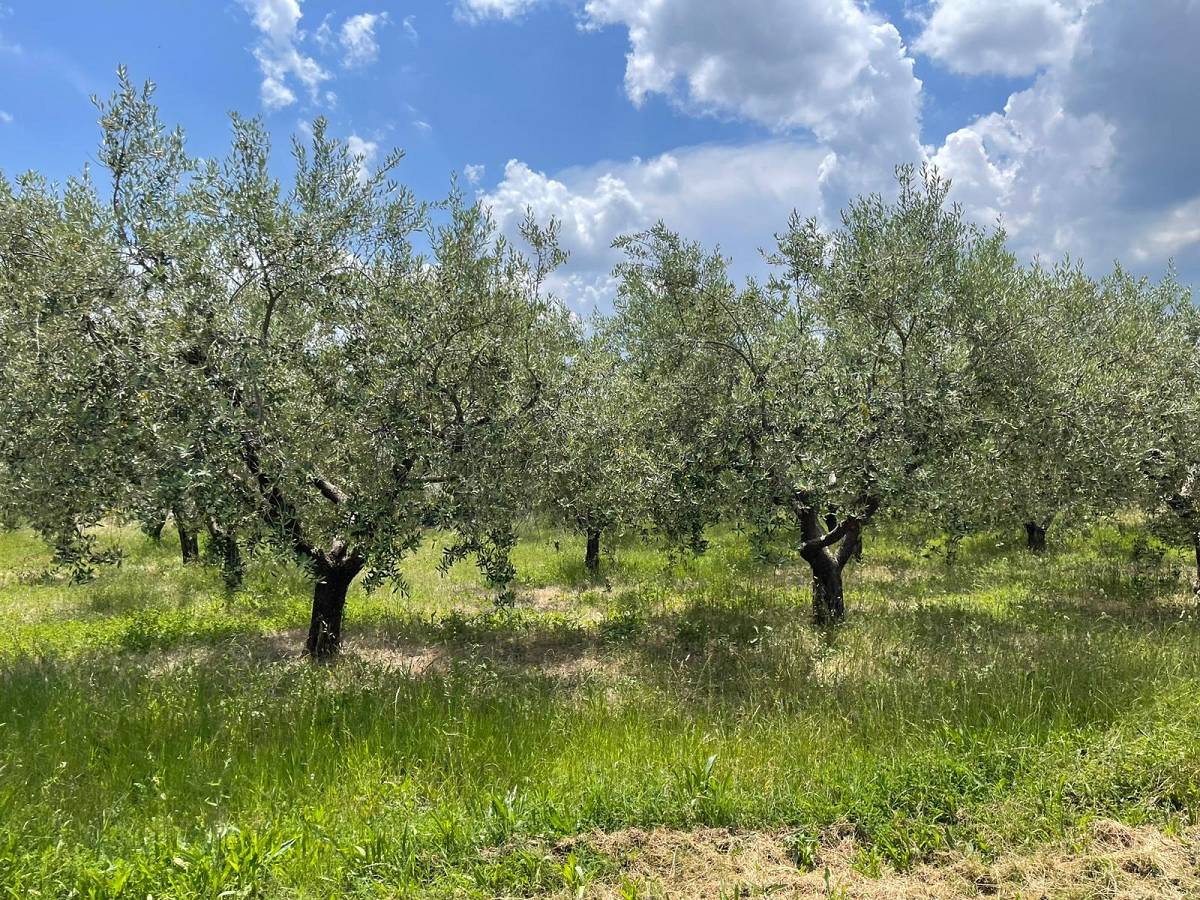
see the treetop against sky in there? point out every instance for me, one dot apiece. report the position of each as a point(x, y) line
point(1070, 121)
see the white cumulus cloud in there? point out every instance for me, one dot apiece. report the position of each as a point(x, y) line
point(360, 46)
point(827, 66)
point(279, 57)
point(1036, 166)
point(735, 196)
point(1015, 37)
point(365, 152)
point(832, 68)
point(1096, 158)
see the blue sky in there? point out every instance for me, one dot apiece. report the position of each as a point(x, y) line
point(1072, 121)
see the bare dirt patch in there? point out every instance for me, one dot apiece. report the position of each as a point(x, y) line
point(548, 599)
point(561, 601)
point(532, 653)
point(1111, 861)
point(282, 647)
point(566, 661)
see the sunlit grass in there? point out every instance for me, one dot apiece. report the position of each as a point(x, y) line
point(160, 736)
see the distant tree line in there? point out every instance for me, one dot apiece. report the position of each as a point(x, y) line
point(336, 369)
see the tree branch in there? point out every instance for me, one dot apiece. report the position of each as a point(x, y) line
point(330, 491)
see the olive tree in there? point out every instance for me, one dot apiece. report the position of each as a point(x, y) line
point(839, 388)
point(333, 367)
point(64, 383)
point(1164, 402)
point(1056, 418)
point(370, 392)
point(602, 452)
point(160, 236)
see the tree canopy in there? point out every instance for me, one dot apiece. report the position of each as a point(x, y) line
point(337, 369)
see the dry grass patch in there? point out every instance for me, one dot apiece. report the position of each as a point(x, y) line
point(533, 654)
point(1111, 861)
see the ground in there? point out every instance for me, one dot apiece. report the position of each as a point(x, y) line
point(995, 725)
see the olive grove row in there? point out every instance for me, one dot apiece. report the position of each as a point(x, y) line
point(335, 369)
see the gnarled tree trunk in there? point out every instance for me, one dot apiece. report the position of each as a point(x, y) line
point(827, 551)
point(333, 578)
point(828, 594)
point(592, 559)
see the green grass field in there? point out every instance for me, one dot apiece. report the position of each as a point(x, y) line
point(160, 737)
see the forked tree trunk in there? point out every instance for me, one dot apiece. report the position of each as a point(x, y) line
point(854, 545)
point(828, 551)
point(329, 603)
point(1035, 537)
point(189, 540)
point(333, 570)
point(592, 559)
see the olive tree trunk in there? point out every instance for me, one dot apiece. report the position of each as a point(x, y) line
point(828, 551)
point(592, 559)
point(329, 603)
point(828, 593)
point(223, 547)
point(189, 540)
point(1035, 537)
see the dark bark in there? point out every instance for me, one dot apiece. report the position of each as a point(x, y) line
point(828, 550)
point(333, 569)
point(1035, 537)
point(853, 541)
point(829, 601)
point(223, 547)
point(154, 528)
point(1196, 545)
point(592, 560)
point(332, 581)
point(189, 540)
point(856, 547)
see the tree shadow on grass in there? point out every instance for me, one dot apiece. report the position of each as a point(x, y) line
point(923, 639)
point(731, 647)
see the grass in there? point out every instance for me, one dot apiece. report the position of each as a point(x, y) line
point(159, 736)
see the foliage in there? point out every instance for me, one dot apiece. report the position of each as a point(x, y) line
point(336, 369)
point(1065, 410)
point(602, 454)
point(289, 362)
point(63, 387)
point(843, 385)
